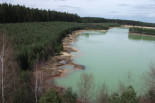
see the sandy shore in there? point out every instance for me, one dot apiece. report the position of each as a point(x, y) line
point(57, 66)
point(65, 57)
point(53, 68)
point(128, 26)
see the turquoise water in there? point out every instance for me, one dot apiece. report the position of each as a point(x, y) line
point(109, 56)
point(66, 67)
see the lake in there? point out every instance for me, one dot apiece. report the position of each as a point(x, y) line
point(110, 56)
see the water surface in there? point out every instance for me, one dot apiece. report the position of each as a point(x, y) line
point(109, 56)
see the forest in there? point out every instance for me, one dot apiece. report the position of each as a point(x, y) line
point(118, 21)
point(142, 30)
point(15, 13)
point(41, 39)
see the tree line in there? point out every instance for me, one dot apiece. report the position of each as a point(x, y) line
point(142, 30)
point(118, 21)
point(15, 13)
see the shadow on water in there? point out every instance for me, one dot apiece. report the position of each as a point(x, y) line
point(137, 37)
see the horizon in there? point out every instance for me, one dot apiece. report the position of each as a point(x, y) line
point(139, 10)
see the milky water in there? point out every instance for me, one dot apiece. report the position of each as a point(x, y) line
point(110, 56)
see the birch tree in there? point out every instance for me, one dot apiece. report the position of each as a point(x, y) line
point(85, 87)
point(7, 71)
point(37, 82)
point(102, 94)
point(150, 82)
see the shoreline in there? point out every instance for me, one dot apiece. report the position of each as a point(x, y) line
point(68, 49)
point(65, 54)
point(53, 68)
point(72, 38)
point(128, 26)
point(142, 34)
point(65, 58)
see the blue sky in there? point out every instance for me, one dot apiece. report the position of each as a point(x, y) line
point(142, 10)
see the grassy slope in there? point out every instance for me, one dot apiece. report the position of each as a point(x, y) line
point(41, 39)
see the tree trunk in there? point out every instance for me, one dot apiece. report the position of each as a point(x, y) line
point(2, 71)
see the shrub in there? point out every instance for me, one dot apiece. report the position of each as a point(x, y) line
point(51, 97)
point(69, 96)
point(129, 95)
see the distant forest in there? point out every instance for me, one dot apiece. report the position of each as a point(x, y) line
point(142, 30)
point(15, 13)
point(118, 21)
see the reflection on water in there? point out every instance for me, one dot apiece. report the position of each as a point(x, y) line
point(87, 33)
point(141, 37)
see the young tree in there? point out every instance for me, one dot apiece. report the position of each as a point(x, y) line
point(37, 82)
point(7, 68)
point(121, 87)
point(130, 78)
point(85, 87)
point(129, 96)
point(69, 96)
point(102, 96)
point(150, 83)
point(51, 97)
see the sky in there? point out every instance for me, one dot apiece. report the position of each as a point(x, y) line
point(141, 10)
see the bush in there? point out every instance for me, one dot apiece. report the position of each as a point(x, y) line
point(129, 95)
point(51, 97)
point(115, 98)
point(24, 91)
point(69, 96)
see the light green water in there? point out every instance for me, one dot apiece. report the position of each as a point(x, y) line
point(109, 56)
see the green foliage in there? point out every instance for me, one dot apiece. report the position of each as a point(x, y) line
point(16, 13)
point(51, 97)
point(115, 98)
point(32, 39)
point(69, 96)
point(24, 92)
point(129, 96)
point(41, 39)
point(142, 30)
point(93, 20)
point(98, 26)
point(118, 21)
point(54, 97)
